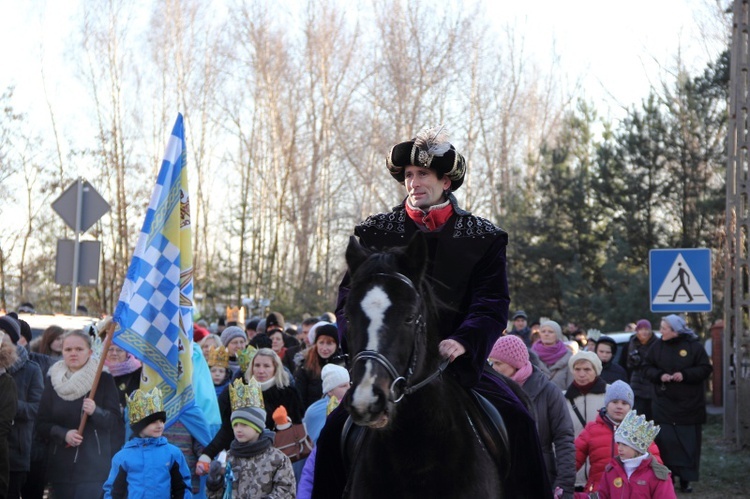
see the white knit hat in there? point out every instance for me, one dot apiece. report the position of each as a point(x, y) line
point(333, 376)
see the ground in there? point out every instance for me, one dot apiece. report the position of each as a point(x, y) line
point(725, 470)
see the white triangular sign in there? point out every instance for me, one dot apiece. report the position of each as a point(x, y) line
point(680, 286)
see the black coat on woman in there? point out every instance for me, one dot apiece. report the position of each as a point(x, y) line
point(29, 385)
point(8, 400)
point(679, 407)
point(309, 385)
point(682, 403)
point(90, 461)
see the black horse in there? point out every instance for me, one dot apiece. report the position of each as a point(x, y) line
point(424, 435)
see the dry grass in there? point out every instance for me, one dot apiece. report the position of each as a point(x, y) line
point(725, 470)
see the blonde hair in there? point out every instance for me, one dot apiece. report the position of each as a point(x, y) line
point(280, 376)
point(215, 337)
point(80, 334)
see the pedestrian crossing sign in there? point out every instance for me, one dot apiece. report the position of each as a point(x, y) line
point(680, 280)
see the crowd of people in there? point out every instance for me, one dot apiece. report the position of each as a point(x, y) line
point(660, 382)
point(577, 422)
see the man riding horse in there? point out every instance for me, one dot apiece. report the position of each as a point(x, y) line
point(467, 265)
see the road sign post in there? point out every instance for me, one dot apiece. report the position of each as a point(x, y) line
point(680, 280)
point(80, 206)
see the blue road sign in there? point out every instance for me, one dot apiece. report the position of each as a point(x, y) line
point(680, 280)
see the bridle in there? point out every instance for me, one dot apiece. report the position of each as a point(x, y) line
point(400, 382)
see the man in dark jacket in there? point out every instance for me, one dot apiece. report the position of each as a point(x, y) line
point(466, 260)
point(29, 386)
point(638, 346)
point(521, 327)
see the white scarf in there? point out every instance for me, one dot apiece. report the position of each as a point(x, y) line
point(631, 464)
point(72, 385)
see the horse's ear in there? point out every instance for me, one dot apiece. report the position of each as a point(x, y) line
point(416, 256)
point(355, 254)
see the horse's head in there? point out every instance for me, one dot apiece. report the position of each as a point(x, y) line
point(386, 327)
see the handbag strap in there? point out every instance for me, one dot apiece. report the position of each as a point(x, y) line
point(578, 413)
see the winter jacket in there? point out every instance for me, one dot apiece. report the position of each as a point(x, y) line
point(272, 398)
point(8, 401)
point(90, 461)
point(305, 485)
point(310, 386)
point(636, 355)
point(555, 429)
point(267, 474)
point(148, 467)
point(612, 372)
point(597, 443)
point(29, 386)
point(559, 372)
point(650, 480)
point(682, 403)
point(588, 405)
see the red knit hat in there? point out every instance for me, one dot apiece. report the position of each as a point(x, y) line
point(511, 350)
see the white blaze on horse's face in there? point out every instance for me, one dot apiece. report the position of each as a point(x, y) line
point(364, 396)
point(374, 304)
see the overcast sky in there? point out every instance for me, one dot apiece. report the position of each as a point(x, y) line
point(617, 48)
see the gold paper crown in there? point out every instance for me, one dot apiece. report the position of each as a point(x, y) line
point(245, 357)
point(218, 357)
point(245, 395)
point(142, 404)
point(332, 404)
point(635, 430)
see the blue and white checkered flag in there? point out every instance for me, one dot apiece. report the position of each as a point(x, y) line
point(154, 312)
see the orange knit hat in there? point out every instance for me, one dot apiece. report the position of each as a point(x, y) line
point(280, 416)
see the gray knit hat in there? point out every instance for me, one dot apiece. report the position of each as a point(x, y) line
point(254, 417)
point(231, 333)
point(555, 327)
point(619, 390)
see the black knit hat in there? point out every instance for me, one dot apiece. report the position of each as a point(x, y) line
point(138, 427)
point(11, 327)
point(275, 319)
point(25, 328)
point(429, 149)
point(608, 340)
point(329, 330)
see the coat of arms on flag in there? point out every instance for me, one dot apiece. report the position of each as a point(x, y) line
point(154, 311)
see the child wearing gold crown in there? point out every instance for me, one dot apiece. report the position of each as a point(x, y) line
point(148, 465)
point(635, 473)
point(255, 468)
point(218, 362)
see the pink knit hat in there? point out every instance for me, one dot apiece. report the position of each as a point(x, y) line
point(511, 350)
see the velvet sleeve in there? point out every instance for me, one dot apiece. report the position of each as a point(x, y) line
point(487, 313)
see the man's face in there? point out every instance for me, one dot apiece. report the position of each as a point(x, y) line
point(519, 323)
point(423, 187)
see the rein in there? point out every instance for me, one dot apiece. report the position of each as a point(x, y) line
point(400, 382)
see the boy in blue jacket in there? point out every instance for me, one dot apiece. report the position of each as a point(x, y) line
point(148, 465)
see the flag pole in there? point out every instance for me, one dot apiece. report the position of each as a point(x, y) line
point(110, 329)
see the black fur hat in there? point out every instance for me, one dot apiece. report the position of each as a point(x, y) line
point(429, 149)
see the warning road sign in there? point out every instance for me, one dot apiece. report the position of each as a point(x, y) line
point(680, 280)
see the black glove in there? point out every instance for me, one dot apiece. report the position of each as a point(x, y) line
point(215, 476)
